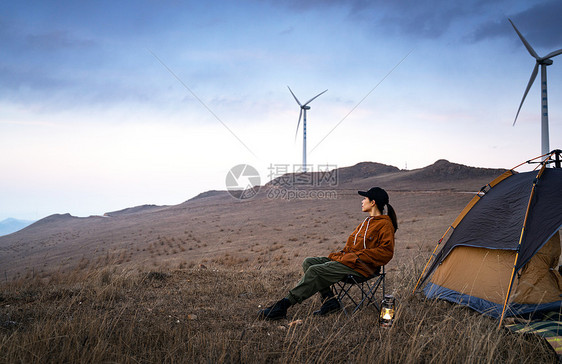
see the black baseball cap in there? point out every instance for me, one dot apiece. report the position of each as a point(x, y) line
point(376, 194)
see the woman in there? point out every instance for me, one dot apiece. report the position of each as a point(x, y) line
point(370, 246)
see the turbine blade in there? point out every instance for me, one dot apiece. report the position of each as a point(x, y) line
point(533, 76)
point(297, 100)
point(527, 45)
point(553, 54)
point(308, 102)
point(298, 124)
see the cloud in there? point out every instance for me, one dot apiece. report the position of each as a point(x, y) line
point(427, 19)
point(57, 40)
point(23, 40)
point(286, 31)
point(432, 19)
point(42, 90)
point(418, 20)
point(51, 67)
point(14, 78)
point(540, 25)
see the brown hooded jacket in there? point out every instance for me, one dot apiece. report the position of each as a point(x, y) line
point(370, 245)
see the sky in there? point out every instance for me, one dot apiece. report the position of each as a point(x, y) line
point(106, 105)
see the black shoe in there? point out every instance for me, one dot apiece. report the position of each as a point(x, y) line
point(326, 294)
point(331, 305)
point(277, 311)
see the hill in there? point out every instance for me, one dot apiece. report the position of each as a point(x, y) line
point(275, 228)
point(333, 177)
point(132, 286)
point(443, 170)
point(133, 210)
point(11, 225)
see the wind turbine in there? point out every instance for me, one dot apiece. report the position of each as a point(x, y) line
point(304, 108)
point(543, 62)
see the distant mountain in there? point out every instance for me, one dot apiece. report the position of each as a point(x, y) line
point(10, 225)
point(133, 210)
point(213, 225)
point(364, 170)
point(445, 170)
point(209, 193)
point(328, 178)
point(437, 176)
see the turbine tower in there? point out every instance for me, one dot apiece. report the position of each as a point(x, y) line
point(304, 108)
point(543, 62)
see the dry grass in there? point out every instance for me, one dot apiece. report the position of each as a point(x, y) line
point(209, 315)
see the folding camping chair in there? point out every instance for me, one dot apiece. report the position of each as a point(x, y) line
point(352, 287)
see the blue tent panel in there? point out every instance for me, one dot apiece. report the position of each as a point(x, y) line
point(486, 307)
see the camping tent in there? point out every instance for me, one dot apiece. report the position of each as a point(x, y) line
point(502, 254)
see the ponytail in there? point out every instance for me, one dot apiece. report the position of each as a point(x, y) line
point(392, 216)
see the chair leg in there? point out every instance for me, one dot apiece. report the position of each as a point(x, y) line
point(344, 291)
point(364, 296)
point(368, 292)
point(372, 298)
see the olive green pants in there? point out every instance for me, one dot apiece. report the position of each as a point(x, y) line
point(319, 275)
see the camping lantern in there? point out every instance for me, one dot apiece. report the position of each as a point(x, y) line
point(387, 311)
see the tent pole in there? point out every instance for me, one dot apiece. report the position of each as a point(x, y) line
point(557, 162)
point(531, 160)
point(539, 175)
point(510, 285)
point(430, 258)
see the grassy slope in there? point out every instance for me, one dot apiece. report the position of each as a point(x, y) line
point(91, 293)
point(209, 315)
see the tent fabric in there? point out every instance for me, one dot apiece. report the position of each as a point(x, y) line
point(477, 272)
point(545, 214)
point(486, 307)
point(539, 278)
point(479, 278)
point(496, 220)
